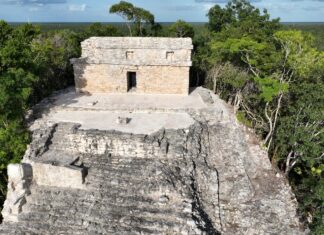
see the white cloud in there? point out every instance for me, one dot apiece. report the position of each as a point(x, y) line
point(75, 7)
point(282, 6)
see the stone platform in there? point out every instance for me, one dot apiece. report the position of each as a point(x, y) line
point(129, 101)
point(147, 113)
point(176, 165)
point(139, 122)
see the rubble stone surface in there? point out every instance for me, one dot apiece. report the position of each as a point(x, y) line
point(209, 178)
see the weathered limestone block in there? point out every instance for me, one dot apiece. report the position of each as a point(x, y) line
point(106, 63)
point(210, 178)
point(106, 78)
point(58, 176)
point(108, 142)
point(145, 50)
point(19, 179)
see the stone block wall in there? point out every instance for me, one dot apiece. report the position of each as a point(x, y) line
point(161, 65)
point(118, 144)
point(129, 56)
point(58, 176)
point(106, 78)
point(75, 141)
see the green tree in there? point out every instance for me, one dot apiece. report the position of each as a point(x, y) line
point(182, 29)
point(53, 53)
point(16, 86)
point(219, 18)
point(5, 32)
point(16, 51)
point(142, 17)
point(228, 81)
point(133, 15)
point(15, 90)
point(299, 144)
point(280, 96)
point(100, 30)
point(157, 30)
point(126, 11)
point(200, 58)
point(242, 16)
point(13, 141)
point(32, 65)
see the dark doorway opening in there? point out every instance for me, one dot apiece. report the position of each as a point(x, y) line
point(131, 81)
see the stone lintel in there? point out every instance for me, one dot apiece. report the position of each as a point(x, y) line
point(88, 61)
point(138, 43)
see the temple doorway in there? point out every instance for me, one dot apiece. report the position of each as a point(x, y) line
point(131, 81)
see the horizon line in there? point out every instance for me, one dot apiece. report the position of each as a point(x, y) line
point(124, 22)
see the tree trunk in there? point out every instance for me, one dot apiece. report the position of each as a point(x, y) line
point(290, 162)
point(269, 118)
point(198, 79)
point(129, 29)
point(140, 28)
point(237, 101)
point(275, 119)
point(272, 121)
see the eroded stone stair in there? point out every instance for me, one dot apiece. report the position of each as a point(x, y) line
point(123, 195)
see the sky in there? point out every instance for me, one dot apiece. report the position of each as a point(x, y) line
point(164, 10)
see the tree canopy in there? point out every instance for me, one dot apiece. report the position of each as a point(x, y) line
point(32, 66)
point(126, 11)
point(137, 16)
point(274, 79)
point(100, 30)
point(181, 29)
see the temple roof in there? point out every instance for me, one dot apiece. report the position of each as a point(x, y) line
point(144, 51)
point(139, 43)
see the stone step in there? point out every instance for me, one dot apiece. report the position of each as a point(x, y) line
point(123, 195)
point(142, 223)
point(125, 201)
point(112, 178)
point(154, 220)
point(129, 209)
point(145, 209)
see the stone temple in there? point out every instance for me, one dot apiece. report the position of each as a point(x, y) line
point(134, 64)
point(120, 161)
